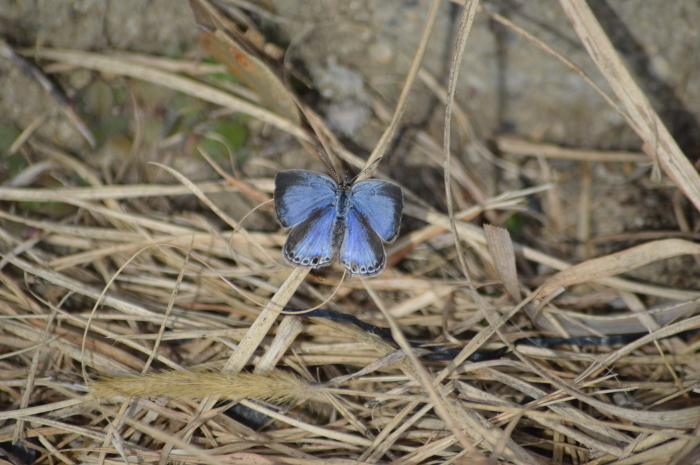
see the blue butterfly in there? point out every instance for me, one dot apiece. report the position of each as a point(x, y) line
point(329, 219)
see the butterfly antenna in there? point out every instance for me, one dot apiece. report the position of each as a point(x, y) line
point(367, 172)
point(329, 166)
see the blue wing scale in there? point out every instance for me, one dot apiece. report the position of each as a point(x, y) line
point(362, 251)
point(312, 242)
point(299, 193)
point(381, 203)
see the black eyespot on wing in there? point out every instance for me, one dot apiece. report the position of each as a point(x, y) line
point(311, 243)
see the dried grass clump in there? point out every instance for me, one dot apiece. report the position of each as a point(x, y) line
point(103, 298)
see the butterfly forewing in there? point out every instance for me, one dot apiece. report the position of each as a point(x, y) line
point(299, 193)
point(381, 203)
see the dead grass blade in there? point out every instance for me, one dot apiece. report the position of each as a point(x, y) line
point(80, 288)
point(503, 254)
point(262, 324)
point(423, 375)
point(125, 67)
point(384, 142)
point(680, 419)
point(659, 143)
point(474, 235)
point(244, 65)
point(518, 146)
point(617, 263)
point(219, 212)
point(106, 192)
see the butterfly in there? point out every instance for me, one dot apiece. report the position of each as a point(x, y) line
point(349, 220)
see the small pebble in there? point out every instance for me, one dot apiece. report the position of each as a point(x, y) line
point(381, 52)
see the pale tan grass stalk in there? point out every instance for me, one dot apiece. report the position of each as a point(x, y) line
point(471, 233)
point(384, 142)
point(659, 143)
point(518, 146)
point(106, 192)
point(125, 67)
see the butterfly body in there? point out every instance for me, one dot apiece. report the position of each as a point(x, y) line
point(349, 220)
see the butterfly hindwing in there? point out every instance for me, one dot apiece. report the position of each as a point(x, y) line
point(381, 203)
point(313, 242)
point(362, 251)
point(298, 193)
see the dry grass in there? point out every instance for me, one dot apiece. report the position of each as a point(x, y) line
point(113, 290)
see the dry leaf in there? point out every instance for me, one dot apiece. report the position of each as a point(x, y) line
point(503, 254)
